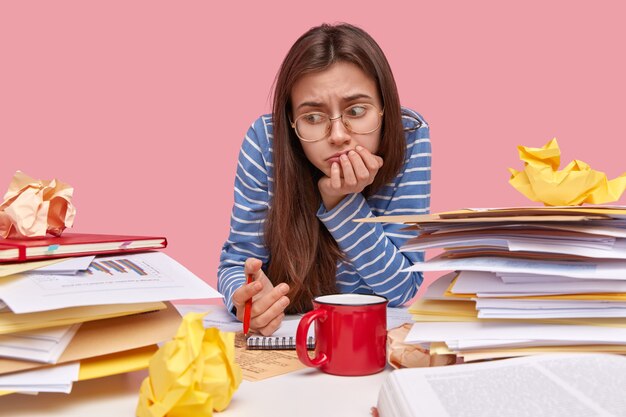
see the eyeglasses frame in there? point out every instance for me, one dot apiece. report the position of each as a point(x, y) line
point(332, 119)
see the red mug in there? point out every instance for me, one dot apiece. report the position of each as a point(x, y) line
point(350, 334)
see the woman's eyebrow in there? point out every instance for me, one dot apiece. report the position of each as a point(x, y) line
point(310, 104)
point(357, 96)
point(349, 98)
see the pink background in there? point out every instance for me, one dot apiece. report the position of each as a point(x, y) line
point(142, 105)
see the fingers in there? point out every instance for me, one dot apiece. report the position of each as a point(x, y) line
point(355, 170)
point(268, 309)
point(246, 292)
point(272, 326)
point(274, 301)
point(335, 176)
point(359, 168)
point(373, 162)
point(252, 266)
point(361, 171)
point(349, 176)
point(243, 294)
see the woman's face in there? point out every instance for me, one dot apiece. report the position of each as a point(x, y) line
point(332, 91)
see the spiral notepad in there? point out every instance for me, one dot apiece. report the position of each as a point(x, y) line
point(283, 338)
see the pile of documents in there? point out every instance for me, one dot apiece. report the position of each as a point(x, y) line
point(523, 281)
point(69, 319)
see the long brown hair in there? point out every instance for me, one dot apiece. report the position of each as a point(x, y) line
point(302, 252)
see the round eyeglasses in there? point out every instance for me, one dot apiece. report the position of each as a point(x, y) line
point(359, 118)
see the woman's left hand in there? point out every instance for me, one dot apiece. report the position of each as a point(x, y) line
point(352, 174)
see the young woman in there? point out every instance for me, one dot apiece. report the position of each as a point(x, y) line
point(338, 146)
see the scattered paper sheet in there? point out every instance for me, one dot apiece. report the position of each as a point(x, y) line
point(131, 278)
point(551, 313)
point(595, 269)
point(257, 365)
point(13, 323)
point(35, 207)
point(44, 345)
point(69, 266)
point(397, 316)
point(516, 303)
point(576, 184)
point(473, 282)
point(12, 269)
point(57, 378)
point(438, 332)
point(216, 316)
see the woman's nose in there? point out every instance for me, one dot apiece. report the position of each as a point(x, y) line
point(338, 132)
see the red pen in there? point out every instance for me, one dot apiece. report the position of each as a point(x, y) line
point(247, 310)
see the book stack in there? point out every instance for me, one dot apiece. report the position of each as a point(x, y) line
point(83, 306)
point(524, 281)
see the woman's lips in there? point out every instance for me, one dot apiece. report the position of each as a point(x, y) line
point(335, 157)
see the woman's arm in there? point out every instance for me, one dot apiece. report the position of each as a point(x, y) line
point(372, 249)
point(247, 222)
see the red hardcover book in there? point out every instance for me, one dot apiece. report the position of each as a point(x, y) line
point(74, 244)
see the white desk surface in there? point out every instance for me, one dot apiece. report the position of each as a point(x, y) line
point(307, 392)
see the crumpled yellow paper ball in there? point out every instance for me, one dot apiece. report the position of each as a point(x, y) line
point(33, 207)
point(191, 375)
point(574, 185)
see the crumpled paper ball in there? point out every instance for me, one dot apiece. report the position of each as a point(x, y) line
point(404, 355)
point(191, 375)
point(574, 185)
point(32, 208)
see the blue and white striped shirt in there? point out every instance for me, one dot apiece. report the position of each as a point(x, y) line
point(372, 263)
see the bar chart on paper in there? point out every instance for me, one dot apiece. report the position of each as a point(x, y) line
point(112, 273)
point(121, 266)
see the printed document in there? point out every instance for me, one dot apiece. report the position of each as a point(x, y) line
point(130, 278)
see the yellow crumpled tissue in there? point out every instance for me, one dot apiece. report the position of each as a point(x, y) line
point(33, 207)
point(191, 375)
point(574, 185)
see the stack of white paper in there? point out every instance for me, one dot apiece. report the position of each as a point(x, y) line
point(537, 278)
point(47, 306)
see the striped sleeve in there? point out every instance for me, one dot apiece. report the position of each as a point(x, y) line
point(251, 202)
point(372, 249)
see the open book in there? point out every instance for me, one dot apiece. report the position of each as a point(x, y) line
point(542, 385)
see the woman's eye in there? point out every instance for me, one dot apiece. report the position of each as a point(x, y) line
point(356, 111)
point(313, 118)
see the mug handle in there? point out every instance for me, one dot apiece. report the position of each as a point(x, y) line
point(301, 336)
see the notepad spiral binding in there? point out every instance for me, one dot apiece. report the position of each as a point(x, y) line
point(269, 343)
